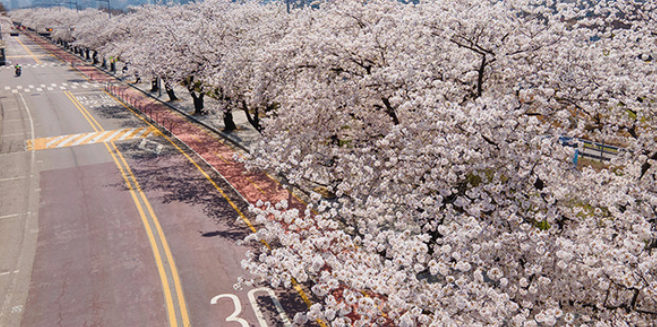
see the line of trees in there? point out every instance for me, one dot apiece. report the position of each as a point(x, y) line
point(433, 129)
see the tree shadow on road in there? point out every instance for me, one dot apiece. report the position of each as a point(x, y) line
point(119, 113)
point(290, 300)
point(175, 179)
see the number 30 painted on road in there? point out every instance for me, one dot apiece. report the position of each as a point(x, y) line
point(238, 307)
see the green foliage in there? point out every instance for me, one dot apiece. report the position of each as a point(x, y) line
point(542, 225)
point(631, 113)
point(474, 180)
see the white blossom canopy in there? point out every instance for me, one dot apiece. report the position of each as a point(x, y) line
point(435, 128)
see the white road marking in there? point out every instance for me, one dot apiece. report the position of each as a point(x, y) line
point(10, 179)
point(55, 140)
point(69, 139)
point(78, 142)
point(5, 273)
point(11, 216)
point(277, 304)
point(95, 139)
point(238, 308)
point(114, 135)
point(140, 133)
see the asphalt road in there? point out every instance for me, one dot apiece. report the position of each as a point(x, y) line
point(103, 222)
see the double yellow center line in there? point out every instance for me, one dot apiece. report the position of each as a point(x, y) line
point(28, 51)
point(175, 301)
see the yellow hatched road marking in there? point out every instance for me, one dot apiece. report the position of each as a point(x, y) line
point(64, 141)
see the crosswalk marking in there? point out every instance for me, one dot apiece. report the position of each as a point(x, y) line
point(64, 141)
point(53, 86)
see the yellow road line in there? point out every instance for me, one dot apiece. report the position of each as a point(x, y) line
point(83, 111)
point(139, 194)
point(165, 244)
point(246, 220)
point(254, 184)
point(232, 204)
point(222, 158)
point(29, 52)
point(151, 238)
point(63, 61)
point(247, 177)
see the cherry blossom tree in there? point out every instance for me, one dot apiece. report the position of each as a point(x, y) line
point(434, 128)
point(249, 76)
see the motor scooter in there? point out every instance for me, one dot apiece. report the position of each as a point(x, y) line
point(18, 72)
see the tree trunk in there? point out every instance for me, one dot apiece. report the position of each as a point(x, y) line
point(229, 123)
point(198, 102)
point(170, 93)
point(253, 120)
point(154, 86)
point(95, 57)
point(86, 53)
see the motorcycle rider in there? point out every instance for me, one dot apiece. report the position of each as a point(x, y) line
point(18, 70)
